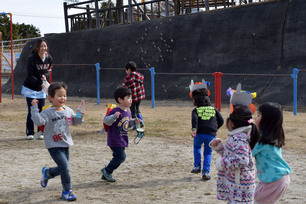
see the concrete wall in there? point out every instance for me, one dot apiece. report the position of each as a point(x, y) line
point(266, 38)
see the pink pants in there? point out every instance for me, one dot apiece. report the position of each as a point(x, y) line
point(269, 193)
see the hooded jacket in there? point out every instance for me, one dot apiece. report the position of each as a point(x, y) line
point(36, 67)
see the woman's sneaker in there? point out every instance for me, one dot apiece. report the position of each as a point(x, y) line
point(68, 195)
point(44, 178)
point(107, 176)
point(30, 137)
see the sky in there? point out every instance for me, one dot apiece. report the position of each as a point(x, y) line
point(46, 15)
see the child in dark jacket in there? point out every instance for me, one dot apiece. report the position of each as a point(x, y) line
point(206, 120)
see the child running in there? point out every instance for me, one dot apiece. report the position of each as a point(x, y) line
point(118, 120)
point(57, 137)
point(134, 82)
point(236, 173)
point(272, 170)
point(206, 120)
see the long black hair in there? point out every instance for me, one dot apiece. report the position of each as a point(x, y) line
point(241, 117)
point(271, 124)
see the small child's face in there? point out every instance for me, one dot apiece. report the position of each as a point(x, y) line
point(128, 71)
point(126, 102)
point(59, 99)
point(258, 119)
point(229, 124)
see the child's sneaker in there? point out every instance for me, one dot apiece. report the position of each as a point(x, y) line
point(205, 175)
point(107, 176)
point(68, 195)
point(196, 170)
point(44, 178)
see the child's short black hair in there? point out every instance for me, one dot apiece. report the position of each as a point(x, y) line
point(131, 65)
point(122, 92)
point(55, 86)
point(200, 97)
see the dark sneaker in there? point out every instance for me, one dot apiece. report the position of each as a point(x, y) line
point(205, 175)
point(44, 178)
point(68, 195)
point(107, 176)
point(196, 170)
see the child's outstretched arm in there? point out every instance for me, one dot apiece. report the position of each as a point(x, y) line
point(77, 120)
point(133, 122)
point(110, 119)
point(36, 116)
point(217, 145)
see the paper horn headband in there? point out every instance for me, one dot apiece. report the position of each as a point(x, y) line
point(198, 85)
point(239, 96)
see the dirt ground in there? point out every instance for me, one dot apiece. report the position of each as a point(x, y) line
point(157, 170)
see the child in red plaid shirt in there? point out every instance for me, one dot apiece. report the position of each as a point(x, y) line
point(134, 82)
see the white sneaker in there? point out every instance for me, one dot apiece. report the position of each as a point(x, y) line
point(30, 137)
point(41, 137)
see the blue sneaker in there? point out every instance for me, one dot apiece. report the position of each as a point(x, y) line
point(68, 195)
point(196, 170)
point(107, 176)
point(44, 178)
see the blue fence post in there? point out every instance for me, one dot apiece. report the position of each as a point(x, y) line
point(98, 82)
point(152, 86)
point(294, 75)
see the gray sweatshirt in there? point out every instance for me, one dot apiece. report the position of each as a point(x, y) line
point(56, 131)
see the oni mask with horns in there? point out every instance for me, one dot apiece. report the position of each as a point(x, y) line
point(198, 85)
point(239, 96)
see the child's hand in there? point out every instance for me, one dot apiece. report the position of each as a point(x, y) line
point(43, 77)
point(215, 142)
point(193, 133)
point(34, 102)
point(82, 112)
point(138, 121)
point(117, 114)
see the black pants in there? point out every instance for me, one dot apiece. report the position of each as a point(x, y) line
point(29, 123)
point(135, 109)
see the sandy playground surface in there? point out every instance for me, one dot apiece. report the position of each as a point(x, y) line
point(157, 170)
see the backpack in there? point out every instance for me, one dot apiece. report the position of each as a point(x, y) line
point(110, 107)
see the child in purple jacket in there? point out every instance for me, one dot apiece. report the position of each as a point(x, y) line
point(118, 120)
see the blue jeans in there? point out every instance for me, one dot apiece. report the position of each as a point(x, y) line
point(119, 157)
point(61, 157)
point(29, 122)
point(197, 145)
